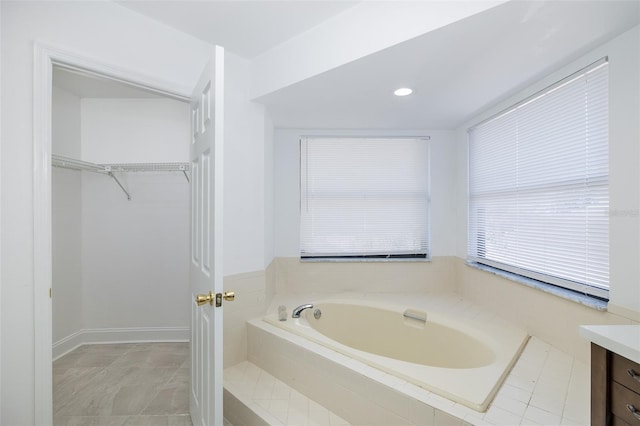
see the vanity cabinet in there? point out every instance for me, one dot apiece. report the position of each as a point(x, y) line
point(615, 389)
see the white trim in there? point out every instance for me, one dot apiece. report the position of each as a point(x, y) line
point(218, 229)
point(42, 91)
point(119, 335)
point(67, 344)
point(45, 56)
point(93, 66)
point(0, 220)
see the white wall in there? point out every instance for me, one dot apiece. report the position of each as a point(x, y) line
point(269, 191)
point(135, 266)
point(135, 130)
point(244, 173)
point(102, 30)
point(1, 380)
point(248, 208)
point(66, 218)
point(65, 123)
point(287, 186)
point(624, 173)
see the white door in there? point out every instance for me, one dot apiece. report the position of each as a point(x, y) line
point(206, 244)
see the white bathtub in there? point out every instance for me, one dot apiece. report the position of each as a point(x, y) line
point(461, 361)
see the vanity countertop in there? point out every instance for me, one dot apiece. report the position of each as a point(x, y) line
point(621, 339)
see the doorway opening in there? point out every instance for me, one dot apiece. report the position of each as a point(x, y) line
point(206, 100)
point(120, 248)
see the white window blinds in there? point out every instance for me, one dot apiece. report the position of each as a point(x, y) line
point(364, 197)
point(538, 186)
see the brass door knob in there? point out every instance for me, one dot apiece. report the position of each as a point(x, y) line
point(201, 299)
point(229, 296)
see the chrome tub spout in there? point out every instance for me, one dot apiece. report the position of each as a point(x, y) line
point(297, 311)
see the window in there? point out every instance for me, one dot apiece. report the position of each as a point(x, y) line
point(364, 198)
point(538, 186)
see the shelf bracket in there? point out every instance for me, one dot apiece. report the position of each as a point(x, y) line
point(186, 176)
point(120, 185)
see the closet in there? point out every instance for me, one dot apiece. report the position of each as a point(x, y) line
point(120, 212)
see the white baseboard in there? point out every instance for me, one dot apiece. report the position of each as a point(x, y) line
point(119, 335)
point(67, 344)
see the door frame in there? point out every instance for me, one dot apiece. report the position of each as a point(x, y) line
point(45, 57)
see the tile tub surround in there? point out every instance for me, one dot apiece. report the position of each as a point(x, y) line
point(551, 318)
point(254, 292)
point(288, 278)
point(251, 301)
point(546, 386)
point(254, 397)
point(295, 276)
point(123, 384)
point(515, 302)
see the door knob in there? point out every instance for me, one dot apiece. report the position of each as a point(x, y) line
point(201, 299)
point(228, 296)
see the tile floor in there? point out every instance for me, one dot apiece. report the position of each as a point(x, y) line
point(132, 384)
point(146, 384)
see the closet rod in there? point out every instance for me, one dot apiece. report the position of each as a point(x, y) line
point(147, 167)
point(150, 167)
point(110, 169)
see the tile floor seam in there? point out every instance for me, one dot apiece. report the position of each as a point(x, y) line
point(157, 392)
point(568, 388)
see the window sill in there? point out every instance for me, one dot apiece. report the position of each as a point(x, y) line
point(361, 260)
point(583, 299)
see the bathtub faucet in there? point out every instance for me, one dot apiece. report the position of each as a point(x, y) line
point(299, 309)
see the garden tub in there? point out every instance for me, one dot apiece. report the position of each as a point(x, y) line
point(465, 362)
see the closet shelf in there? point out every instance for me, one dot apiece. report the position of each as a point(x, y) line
point(73, 164)
point(109, 169)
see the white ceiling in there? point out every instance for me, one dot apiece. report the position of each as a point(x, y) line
point(246, 28)
point(457, 71)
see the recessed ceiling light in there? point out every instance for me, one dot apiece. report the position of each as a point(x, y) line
point(404, 91)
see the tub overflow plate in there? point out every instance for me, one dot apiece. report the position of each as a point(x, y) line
point(317, 314)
